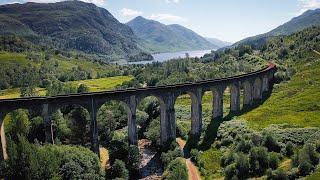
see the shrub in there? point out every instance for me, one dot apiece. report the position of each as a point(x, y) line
point(30, 161)
point(278, 174)
point(244, 146)
point(227, 159)
point(230, 171)
point(305, 168)
point(308, 153)
point(170, 156)
point(118, 170)
point(177, 169)
point(289, 150)
point(118, 150)
point(133, 158)
point(153, 132)
point(318, 146)
point(194, 153)
point(271, 143)
point(258, 158)
point(242, 166)
point(273, 160)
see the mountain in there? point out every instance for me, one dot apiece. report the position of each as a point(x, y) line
point(158, 37)
point(218, 42)
point(69, 25)
point(307, 19)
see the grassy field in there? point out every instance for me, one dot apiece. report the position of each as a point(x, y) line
point(296, 102)
point(95, 85)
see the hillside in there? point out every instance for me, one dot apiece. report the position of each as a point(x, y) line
point(157, 37)
point(69, 26)
point(307, 19)
point(218, 42)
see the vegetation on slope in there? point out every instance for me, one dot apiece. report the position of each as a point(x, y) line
point(69, 26)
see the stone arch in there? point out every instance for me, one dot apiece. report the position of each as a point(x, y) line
point(165, 115)
point(195, 96)
point(69, 108)
point(125, 105)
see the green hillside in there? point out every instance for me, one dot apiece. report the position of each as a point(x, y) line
point(69, 26)
point(296, 102)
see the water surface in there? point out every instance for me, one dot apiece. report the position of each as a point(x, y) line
point(162, 57)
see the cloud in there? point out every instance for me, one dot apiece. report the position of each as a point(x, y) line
point(167, 17)
point(96, 2)
point(173, 1)
point(130, 12)
point(308, 4)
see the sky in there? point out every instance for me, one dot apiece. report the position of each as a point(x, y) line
point(228, 20)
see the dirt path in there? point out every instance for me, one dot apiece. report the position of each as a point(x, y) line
point(192, 169)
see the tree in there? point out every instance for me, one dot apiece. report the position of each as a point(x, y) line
point(258, 158)
point(177, 169)
point(289, 150)
point(273, 160)
point(83, 88)
point(242, 166)
point(18, 124)
point(153, 132)
point(133, 158)
point(271, 143)
point(118, 170)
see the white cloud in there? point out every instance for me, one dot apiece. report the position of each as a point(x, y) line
point(96, 2)
point(167, 17)
point(308, 4)
point(130, 12)
point(173, 1)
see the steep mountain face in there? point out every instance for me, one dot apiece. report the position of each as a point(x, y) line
point(69, 25)
point(307, 19)
point(157, 37)
point(218, 42)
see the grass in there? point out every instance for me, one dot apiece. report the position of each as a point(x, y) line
point(95, 85)
point(12, 58)
point(296, 102)
point(102, 84)
point(314, 176)
point(211, 163)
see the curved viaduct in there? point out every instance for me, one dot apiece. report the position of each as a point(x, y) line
point(253, 84)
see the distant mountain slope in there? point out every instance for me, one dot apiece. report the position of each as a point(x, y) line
point(307, 19)
point(69, 25)
point(158, 37)
point(218, 42)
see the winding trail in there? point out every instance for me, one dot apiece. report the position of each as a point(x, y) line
point(192, 169)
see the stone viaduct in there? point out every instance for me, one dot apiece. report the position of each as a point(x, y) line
point(253, 84)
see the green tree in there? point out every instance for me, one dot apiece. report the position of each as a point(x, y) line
point(177, 169)
point(258, 158)
point(242, 166)
point(118, 170)
point(83, 88)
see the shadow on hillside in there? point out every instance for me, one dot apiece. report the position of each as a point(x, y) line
point(212, 129)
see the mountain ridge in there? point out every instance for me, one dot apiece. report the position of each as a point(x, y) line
point(296, 24)
point(70, 25)
point(158, 37)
